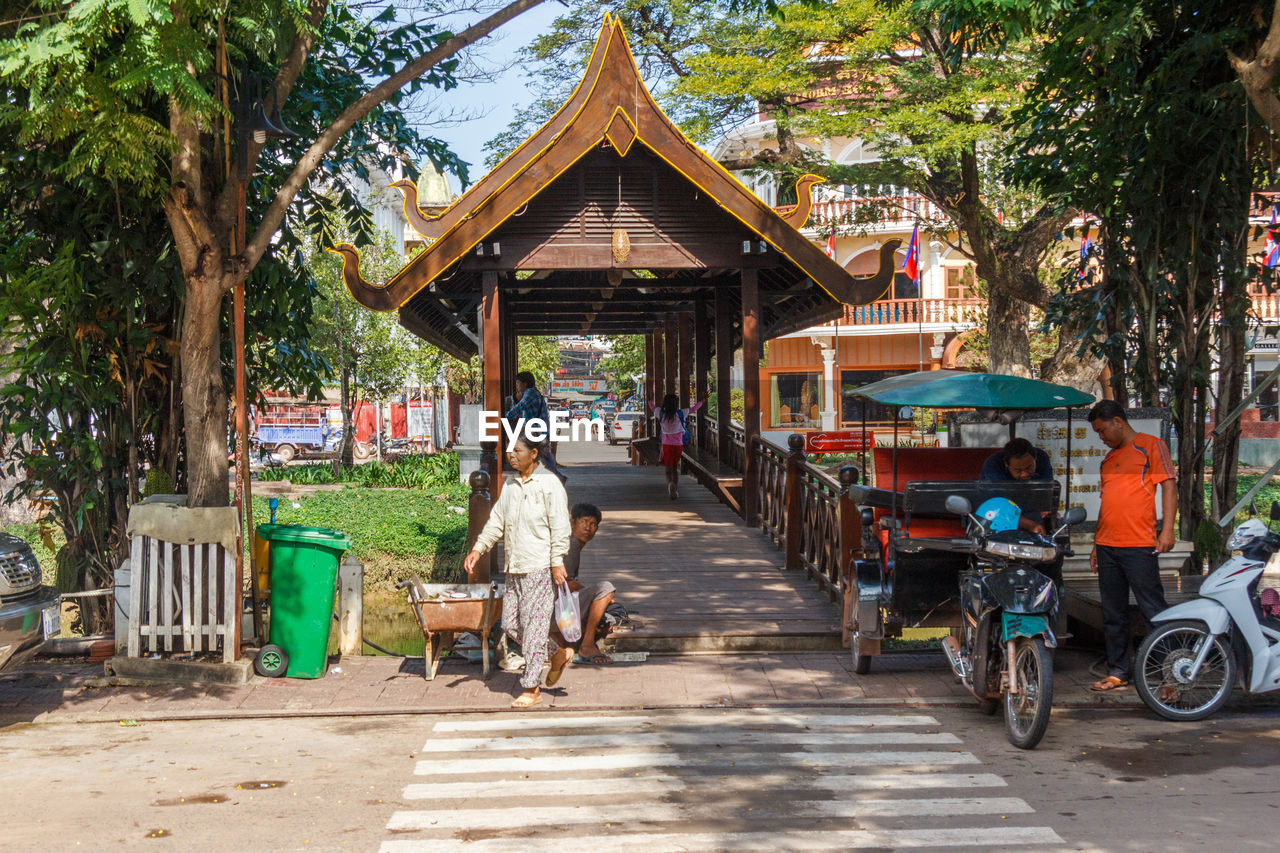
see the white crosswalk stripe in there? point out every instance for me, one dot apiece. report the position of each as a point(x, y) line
point(789, 779)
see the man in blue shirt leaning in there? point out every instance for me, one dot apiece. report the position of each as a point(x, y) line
point(1018, 460)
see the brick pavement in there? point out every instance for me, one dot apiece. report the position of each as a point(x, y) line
point(59, 691)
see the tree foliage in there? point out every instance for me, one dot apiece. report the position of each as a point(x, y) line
point(625, 360)
point(1136, 116)
point(162, 96)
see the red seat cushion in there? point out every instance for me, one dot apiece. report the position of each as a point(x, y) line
point(926, 463)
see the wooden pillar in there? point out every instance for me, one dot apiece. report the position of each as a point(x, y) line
point(478, 506)
point(724, 370)
point(701, 362)
point(685, 340)
point(850, 519)
point(648, 383)
point(669, 358)
point(510, 353)
point(795, 457)
point(491, 352)
point(659, 367)
point(750, 387)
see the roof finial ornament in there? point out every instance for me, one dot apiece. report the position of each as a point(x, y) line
point(796, 215)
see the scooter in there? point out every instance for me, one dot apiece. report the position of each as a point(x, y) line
point(1009, 610)
point(1186, 667)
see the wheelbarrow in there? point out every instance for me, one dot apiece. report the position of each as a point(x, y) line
point(443, 609)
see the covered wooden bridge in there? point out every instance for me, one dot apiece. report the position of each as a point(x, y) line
point(608, 220)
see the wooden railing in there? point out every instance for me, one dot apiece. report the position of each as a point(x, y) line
point(900, 209)
point(823, 508)
point(808, 514)
point(913, 311)
point(771, 489)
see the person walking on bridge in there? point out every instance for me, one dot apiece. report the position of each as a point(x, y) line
point(671, 420)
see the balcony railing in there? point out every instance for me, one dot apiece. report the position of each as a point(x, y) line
point(888, 210)
point(1265, 306)
point(913, 311)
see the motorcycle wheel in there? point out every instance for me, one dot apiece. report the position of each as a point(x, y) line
point(1161, 670)
point(861, 663)
point(1026, 714)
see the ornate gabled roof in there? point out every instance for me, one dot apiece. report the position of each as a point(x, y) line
point(611, 108)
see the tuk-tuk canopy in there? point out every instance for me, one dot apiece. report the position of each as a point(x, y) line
point(959, 389)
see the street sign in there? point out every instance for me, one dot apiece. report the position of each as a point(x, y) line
point(836, 441)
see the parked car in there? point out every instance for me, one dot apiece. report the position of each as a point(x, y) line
point(625, 427)
point(28, 611)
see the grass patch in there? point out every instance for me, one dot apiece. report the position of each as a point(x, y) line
point(394, 532)
point(1270, 492)
point(407, 472)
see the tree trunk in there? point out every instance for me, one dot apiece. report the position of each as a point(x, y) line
point(1068, 366)
point(204, 396)
point(1188, 420)
point(1008, 321)
point(346, 454)
point(1226, 448)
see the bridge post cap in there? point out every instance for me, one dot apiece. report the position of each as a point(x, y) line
point(479, 481)
point(795, 442)
point(849, 475)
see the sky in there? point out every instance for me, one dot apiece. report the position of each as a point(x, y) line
point(500, 98)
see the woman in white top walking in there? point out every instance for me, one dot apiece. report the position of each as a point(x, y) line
point(671, 420)
point(531, 518)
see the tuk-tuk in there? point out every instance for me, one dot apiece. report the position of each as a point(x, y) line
point(940, 548)
point(896, 584)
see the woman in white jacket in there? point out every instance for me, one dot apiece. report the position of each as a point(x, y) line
point(531, 518)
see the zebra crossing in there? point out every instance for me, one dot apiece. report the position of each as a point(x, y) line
point(705, 780)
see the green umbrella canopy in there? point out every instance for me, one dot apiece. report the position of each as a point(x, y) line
point(959, 389)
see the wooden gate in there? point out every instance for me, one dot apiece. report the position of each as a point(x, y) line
point(182, 598)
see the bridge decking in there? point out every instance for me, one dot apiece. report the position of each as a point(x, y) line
point(694, 577)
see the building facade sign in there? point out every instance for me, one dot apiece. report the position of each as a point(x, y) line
point(582, 386)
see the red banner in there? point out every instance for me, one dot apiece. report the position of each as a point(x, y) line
point(836, 441)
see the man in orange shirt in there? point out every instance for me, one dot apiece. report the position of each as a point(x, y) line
point(1126, 547)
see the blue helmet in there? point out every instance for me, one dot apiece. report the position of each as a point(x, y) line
point(999, 514)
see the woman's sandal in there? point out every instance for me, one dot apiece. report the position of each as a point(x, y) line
point(1111, 682)
point(526, 700)
point(565, 655)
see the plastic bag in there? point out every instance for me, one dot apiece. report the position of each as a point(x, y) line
point(568, 619)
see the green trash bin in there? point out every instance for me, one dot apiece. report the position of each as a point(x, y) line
point(304, 576)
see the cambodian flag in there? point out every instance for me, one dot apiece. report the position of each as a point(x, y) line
point(911, 266)
point(831, 241)
point(1272, 246)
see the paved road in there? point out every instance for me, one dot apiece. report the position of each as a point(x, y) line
point(732, 779)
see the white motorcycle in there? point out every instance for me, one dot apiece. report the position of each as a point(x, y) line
point(1186, 667)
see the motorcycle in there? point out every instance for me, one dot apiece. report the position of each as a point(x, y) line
point(1186, 667)
point(1009, 612)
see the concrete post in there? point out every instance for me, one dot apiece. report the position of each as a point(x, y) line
point(350, 606)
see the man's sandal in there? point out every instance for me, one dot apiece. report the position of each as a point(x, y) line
point(1169, 694)
point(1111, 682)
